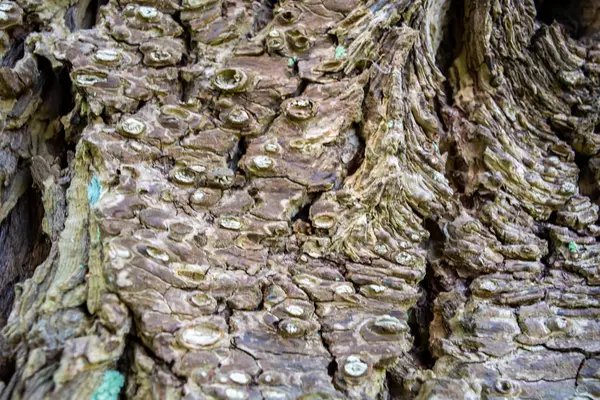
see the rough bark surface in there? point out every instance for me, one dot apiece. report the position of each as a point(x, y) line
point(313, 199)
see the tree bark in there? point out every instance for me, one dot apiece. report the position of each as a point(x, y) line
point(388, 199)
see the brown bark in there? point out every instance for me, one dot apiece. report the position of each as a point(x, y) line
point(332, 199)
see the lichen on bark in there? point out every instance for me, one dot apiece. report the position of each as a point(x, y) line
point(303, 199)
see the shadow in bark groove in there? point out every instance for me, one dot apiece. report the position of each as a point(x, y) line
point(24, 246)
point(84, 15)
point(421, 315)
point(15, 53)
point(450, 45)
point(264, 14)
point(580, 17)
point(356, 161)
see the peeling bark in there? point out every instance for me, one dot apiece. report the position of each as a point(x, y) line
point(383, 199)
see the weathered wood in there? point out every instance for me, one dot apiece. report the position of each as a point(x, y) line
point(337, 199)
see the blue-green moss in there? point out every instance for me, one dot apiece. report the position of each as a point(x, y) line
point(573, 248)
point(94, 189)
point(340, 52)
point(111, 385)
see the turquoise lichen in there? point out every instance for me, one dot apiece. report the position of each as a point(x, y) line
point(94, 189)
point(292, 61)
point(390, 124)
point(573, 248)
point(111, 385)
point(340, 52)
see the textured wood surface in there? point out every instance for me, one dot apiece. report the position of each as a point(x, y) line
point(389, 199)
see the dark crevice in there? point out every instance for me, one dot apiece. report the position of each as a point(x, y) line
point(71, 19)
point(457, 172)
point(448, 97)
point(186, 89)
point(77, 123)
point(579, 370)
point(579, 17)
point(15, 52)
point(543, 232)
point(301, 86)
point(438, 106)
point(356, 161)
point(187, 39)
point(24, 246)
point(7, 366)
point(224, 10)
point(127, 359)
point(237, 154)
point(58, 101)
point(359, 156)
point(303, 213)
point(593, 171)
point(23, 243)
point(65, 87)
point(332, 368)
point(395, 387)
point(421, 315)
point(263, 14)
point(451, 43)
point(57, 94)
point(588, 185)
point(83, 15)
point(419, 318)
point(300, 221)
point(334, 39)
point(141, 104)
point(89, 17)
point(587, 181)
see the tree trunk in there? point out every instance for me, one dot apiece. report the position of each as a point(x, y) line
point(390, 199)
